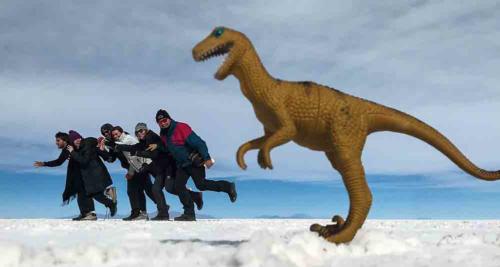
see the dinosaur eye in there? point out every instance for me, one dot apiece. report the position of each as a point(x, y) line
point(218, 32)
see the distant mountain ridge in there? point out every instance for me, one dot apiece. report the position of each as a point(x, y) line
point(293, 216)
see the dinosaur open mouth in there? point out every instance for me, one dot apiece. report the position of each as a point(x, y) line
point(220, 50)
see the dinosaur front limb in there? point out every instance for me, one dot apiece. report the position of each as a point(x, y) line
point(252, 144)
point(360, 199)
point(280, 137)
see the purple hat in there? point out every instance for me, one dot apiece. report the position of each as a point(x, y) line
point(73, 135)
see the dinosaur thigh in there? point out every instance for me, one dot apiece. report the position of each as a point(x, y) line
point(347, 131)
point(267, 117)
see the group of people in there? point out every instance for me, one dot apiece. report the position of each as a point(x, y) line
point(171, 157)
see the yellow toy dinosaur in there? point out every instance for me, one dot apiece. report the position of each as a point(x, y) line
point(319, 118)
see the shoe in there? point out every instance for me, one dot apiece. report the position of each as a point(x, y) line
point(111, 193)
point(142, 216)
point(161, 217)
point(198, 200)
point(137, 216)
point(232, 192)
point(113, 209)
point(186, 218)
point(79, 217)
point(132, 215)
point(90, 216)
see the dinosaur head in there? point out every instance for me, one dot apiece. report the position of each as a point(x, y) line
point(222, 41)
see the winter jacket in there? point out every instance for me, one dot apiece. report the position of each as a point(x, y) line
point(74, 183)
point(162, 159)
point(135, 162)
point(94, 173)
point(110, 155)
point(181, 141)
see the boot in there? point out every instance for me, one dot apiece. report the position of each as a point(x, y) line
point(111, 193)
point(232, 192)
point(137, 216)
point(113, 209)
point(198, 199)
point(77, 218)
point(133, 215)
point(143, 215)
point(90, 216)
point(186, 218)
point(161, 217)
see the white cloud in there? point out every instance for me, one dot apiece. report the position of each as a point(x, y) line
point(69, 66)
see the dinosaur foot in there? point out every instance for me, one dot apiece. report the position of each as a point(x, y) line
point(328, 231)
point(264, 160)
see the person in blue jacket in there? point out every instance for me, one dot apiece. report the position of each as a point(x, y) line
point(191, 155)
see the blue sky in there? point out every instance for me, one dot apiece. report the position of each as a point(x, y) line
point(76, 65)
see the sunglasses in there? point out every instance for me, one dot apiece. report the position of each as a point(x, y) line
point(105, 132)
point(164, 120)
point(140, 131)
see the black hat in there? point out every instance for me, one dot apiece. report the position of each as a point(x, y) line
point(162, 114)
point(107, 127)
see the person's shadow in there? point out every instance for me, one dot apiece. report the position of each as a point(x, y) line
point(233, 243)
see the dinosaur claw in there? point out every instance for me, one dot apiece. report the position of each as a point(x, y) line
point(242, 164)
point(320, 229)
point(267, 163)
point(338, 220)
point(315, 228)
point(329, 230)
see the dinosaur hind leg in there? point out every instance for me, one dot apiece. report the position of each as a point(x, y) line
point(360, 198)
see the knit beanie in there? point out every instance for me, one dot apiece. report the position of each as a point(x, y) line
point(141, 126)
point(162, 114)
point(73, 135)
point(106, 127)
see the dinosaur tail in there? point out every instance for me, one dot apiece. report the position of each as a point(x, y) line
point(393, 120)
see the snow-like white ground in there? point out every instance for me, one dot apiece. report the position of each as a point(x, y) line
point(46, 242)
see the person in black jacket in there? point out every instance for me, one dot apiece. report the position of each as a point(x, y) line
point(74, 181)
point(137, 186)
point(162, 167)
point(94, 174)
point(73, 174)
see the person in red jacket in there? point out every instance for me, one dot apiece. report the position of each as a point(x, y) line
point(191, 155)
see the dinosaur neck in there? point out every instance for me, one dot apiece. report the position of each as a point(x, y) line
point(253, 76)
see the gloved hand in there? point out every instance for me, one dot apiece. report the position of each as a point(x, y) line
point(196, 159)
point(144, 167)
point(117, 148)
point(129, 176)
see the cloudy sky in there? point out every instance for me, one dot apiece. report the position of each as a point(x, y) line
point(78, 64)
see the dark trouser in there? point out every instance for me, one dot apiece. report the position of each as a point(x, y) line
point(86, 204)
point(136, 187)
point(161, 203)
point(170, 187)
point(198, 175)
point(162, 172)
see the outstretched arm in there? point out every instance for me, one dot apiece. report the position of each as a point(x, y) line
point(54, 163)
point(151, 154)
point(128, 148)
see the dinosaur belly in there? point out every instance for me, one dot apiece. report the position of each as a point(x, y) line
point(317, 144)
point(312, 135)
